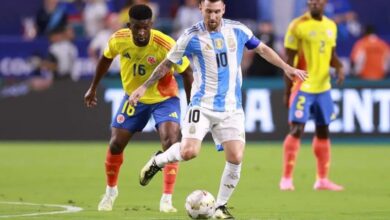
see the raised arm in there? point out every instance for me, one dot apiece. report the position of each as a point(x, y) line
point(272, 57)
point(161, 70)
point(103, 64)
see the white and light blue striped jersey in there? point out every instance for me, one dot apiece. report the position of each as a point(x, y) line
point(217, 60)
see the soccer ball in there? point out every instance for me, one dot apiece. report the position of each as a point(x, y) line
point(200, 204)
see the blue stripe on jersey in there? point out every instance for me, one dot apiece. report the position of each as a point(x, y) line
point(238, 92)
point(240, 50)
point(223, 70)
point(195, 100)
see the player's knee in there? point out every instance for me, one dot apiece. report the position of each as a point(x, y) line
point(116, 147)
point(189, 152)
point(168, 142)
point(235, 158)
point(297, 130)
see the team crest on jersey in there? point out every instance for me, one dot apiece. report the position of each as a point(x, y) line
point(218, 43)
point(231, 44)
point(120, 118)
point(298, 113)
point(152, 60)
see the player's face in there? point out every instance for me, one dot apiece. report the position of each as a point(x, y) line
point(316, 7)
point(140, 30)
point(212, 13)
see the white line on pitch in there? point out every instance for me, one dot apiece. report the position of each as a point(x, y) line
point(68, 209)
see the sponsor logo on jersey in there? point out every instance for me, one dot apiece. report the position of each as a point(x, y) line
point(231, 44)
point(173, 115)
point(127, 55)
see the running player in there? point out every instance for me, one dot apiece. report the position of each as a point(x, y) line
point(141, 49)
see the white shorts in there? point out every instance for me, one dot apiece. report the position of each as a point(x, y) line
point(224, 126)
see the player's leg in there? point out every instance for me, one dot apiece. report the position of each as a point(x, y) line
point(231, 133)
point(169, 134)
point(114, 159)
point(323, 112)
point(166, 115)
point(195, 126)
point(298, 115)
point(127, 121)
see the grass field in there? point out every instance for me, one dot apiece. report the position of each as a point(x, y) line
point(71, 173)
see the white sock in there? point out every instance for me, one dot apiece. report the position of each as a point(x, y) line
point(112, 191)
point(169, 156)
point(166, 198)
point(229, 181)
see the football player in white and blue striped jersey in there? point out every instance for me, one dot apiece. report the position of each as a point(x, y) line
point(216, 47)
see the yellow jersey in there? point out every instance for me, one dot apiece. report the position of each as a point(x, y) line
point(314, 41)
point(137, 64)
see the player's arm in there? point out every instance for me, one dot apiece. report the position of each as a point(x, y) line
point(188, 78)
point(336, 63)
point(288, 82)
point(103, 64)
point(272, 57)
point(159, 72)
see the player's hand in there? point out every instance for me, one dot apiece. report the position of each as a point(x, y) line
point(340, 76)
point(90, 99)
point(136, 95)
point(293, 73)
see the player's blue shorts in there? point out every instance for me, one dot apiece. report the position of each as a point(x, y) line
point(135, 118)
point(317, 106)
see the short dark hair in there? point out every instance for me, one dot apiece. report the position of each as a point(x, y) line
point(140, 12)
point(213, 0)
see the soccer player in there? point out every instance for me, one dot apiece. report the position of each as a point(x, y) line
point(141, 49)
point(312, 38)
point(216, 46)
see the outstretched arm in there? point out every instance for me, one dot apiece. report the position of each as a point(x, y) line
point(272, 57)
point(161, 70)
point(90, 99)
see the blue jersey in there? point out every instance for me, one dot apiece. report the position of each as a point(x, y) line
point(217, 60)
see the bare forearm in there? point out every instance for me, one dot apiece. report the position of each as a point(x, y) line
point(161, 70)
point(271, 56)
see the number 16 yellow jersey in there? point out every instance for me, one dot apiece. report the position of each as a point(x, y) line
point(137, 64)
point(315, 40)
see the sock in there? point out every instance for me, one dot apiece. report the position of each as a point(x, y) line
point(166, 198)
point(321, 149)
point(113, 164)
point(169, 156)
point(113, 191)
point(229, 181)
point(290, 151)
point(170, 172)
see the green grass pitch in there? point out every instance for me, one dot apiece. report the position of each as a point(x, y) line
point(71, 173)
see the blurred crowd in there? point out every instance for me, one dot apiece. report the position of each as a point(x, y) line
point(63, 21)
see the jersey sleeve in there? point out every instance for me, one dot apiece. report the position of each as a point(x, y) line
point(291, 39)
point(246, 36)
point(334, 41)
point(181, 49)
point(111, 51)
